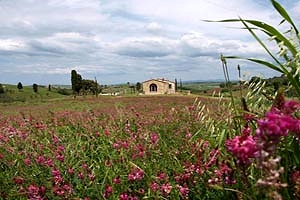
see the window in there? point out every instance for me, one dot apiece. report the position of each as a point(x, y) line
point(170, 86)
point(153, 87)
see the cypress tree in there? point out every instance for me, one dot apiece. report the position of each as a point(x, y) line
point(76, 81)
point(20, 86)
point(35, 87)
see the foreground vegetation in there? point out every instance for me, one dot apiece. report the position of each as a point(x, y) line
point(164, 147)
point(160, 147)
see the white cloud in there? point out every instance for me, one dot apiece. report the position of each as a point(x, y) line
point(120, 41)
point(154, 27)
point(144, 47)
point(11, 45)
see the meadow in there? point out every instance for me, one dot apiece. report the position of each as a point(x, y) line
point(108, 147)
point(241, 146)
point(138, 147)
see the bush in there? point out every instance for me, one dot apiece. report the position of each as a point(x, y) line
point(35, 87)
point(4, 98)
point(1, 89)
point(64, 91)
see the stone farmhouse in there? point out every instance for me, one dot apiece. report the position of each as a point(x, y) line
point(158, 86)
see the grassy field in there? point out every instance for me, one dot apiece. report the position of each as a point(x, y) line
point(55, 146)
point(100, 148)
point(13, 94)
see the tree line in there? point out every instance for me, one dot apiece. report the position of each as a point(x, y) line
point(84, 86)
point(20, 87)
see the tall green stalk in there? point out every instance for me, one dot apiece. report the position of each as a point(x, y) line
point(288, 59)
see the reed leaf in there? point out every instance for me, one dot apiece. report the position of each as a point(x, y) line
point(282, 42)
point(284, 14)
point(272, 32)
point(267, 29)
point(262, 62)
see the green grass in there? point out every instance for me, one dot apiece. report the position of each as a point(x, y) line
point(13, 94)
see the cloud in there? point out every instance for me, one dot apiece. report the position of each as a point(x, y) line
point(154, 27)
point(121, 41)
point(11, 45)
point(144, 47)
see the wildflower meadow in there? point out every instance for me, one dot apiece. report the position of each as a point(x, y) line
point(161, 147)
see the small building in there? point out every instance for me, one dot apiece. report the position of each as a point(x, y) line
point(158, 86)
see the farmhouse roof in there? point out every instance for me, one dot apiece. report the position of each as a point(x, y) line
point(159, 80)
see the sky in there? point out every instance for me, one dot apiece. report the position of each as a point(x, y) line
point(120, 41)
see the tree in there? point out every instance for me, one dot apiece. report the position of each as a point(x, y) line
point(90, 86)
point(97, 87)
point(49, 87)
point(20, 86)
point(255, 79)
point(35, 87)
point(1, 89)
point(76, 81)
point(176, 84)
point(138, 86)
point(180, 84)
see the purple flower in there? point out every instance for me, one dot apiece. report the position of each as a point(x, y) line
point(124, 196)
point(154, 186)
point(243, 148)
point(108, 191)
point(136, 174)
point(166, 188)
point(183, 190)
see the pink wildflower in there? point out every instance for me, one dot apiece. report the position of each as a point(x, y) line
point(188, 135)
point(27, 161)
point(295, 176)
point(40, 160)
point(125, 145)
point(117, 180)
point(136, 174)
point(161, 176)
point(166, 188)
point(55, 172)
point(59, 191)
point(213, 156)
point(183, 190)
point(106, 133)
point(60, 157)
point(116, 145)
point(154, 186)
point(141, 191)
point(108, 191)
point(49, 162)
point(124, 196)
point(55, 139)
point(243, 148)
point(18, 180)
point(80, 175)
point(71, 171)
point(34, 192)
point(92, 177)
point(274, 125)
point(154, 138)
point(60, 148)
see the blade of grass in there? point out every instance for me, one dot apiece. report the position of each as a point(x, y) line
point(262, 62)
point(261, 43)
point(266, 28)
point(284, 14)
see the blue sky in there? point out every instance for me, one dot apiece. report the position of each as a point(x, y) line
point(120, 41)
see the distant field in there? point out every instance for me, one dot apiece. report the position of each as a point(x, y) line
point(26, 94)
point(104, 104)
point(13, 94)
point(201, 87)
